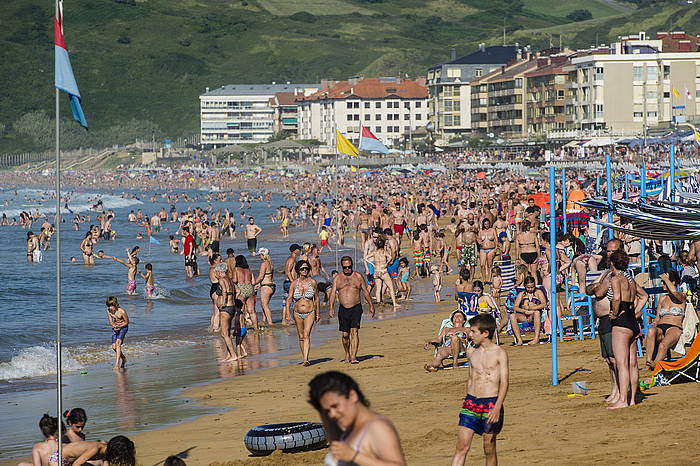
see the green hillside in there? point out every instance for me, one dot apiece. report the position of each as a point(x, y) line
point(141, 64)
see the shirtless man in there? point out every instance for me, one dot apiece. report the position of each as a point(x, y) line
point(251, 235)
point(214, 237)
point(487, 386)
point(350, 287)
point(399, 220)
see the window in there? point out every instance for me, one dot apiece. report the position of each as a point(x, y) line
point(448, 105)
point(599, 70)
point(560, 94)
point(377, 105)
point(420, 117)
point(599, 107)
point(389, 129)
point(448, 120)
point(349, 117)
point(367, 117)
point(407, 105)
point(518, 83)
point(396, 129)
point(667, 95)
point(407, 116)
point(454, 72)
point(478, 72)
point(406, 129)
point(456, 120)
point(396, 116)
point(377, 129)
point(378, 117)
point(366, 104)
point(667, 71)
point(652, 94)
point(637, 73)
point(457, 91)
point(651, 114)
point(638, 114)
point(418, 104)
point(697, 94)
point(652, 73)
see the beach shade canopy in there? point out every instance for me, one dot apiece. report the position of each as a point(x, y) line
point(229, 149)
point(283, 144)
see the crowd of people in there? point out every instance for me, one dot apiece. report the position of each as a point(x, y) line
point(432, 226)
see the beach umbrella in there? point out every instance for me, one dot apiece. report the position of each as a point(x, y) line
point(481, 175)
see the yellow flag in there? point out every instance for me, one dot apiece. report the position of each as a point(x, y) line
point(676, 93)
point(697, 135)
point(353, 168)
point(343, 146)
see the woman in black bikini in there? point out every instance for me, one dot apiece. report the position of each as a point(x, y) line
point(528, 247)
point(230, 308)
point(214, 291)
point(266, 284)
point(667, 327)
point(627, 299)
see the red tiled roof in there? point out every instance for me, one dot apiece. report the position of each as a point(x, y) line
point(373, 88)
point(288, 98)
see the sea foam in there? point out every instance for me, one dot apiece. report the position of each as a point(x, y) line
point(37, 361)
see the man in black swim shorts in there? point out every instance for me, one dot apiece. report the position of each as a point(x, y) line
point(350, 287)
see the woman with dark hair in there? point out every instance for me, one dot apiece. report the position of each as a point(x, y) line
point(528, 307)
point(487, 240)
point(356, 434)
point(667, 327)
point(42, 450)
point(120, 452)
point(246, 289)
point(303, 301)
point(214, 291)
point(528, 247)
point(76, 419)
point(627, 299)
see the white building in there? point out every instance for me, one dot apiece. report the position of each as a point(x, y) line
point(392, 108)
point(636, 83)
point(241, 113)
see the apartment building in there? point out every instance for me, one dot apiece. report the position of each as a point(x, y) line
point(389, 107)
point(242, 113)
point(286, 112)
point(449, 89)
point(547, 97)
point(636, 83)
point(499, 98)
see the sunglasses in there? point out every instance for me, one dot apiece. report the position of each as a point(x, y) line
point(305, 268)
point(347, 267)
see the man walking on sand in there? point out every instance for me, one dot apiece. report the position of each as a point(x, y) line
point(350, 287)
point(251, 235)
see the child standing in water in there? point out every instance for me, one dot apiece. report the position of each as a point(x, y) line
point(119, 321)
point(482, 408)
point(404, 276)
point(437, 281)
point(131, 274)
point(148, 276)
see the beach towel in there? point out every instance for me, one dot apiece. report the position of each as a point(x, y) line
point(690, 322)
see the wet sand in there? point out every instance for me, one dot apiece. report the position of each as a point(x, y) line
point(542, 425)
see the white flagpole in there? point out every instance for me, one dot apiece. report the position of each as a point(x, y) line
point(59, 365)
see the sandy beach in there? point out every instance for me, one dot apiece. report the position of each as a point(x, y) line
point(542, 425)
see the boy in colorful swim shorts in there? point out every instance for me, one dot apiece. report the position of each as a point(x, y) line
point(119, 321)
point(482, 408)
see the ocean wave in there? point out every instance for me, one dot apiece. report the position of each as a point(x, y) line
point(37, 361)
point(77, 202)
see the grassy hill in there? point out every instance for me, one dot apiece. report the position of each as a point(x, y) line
point(141, 64)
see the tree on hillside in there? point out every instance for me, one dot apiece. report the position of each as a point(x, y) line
point(579, 15)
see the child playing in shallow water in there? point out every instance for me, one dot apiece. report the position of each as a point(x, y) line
point(437, 281)
point(119, 321)
point(482, 408)
point(131, 274)
point(148, 276)
point(404, 276)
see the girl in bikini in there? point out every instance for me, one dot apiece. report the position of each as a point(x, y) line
point(303, 300)
point(667, 327)
point(266, 284)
